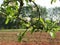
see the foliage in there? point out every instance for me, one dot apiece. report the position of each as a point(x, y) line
point(51, 27)
point(53, 1)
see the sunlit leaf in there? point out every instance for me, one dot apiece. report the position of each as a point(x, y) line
point(48, 21)
point(53, 34)
point(7, 20)
point(42, 21)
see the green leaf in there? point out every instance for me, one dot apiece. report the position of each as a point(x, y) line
point(7, 20)
point(53, 34)
point(48, 21)
point(33, 30)
point(21, 36)
point(26, 1)
point(42, 21)
point(53, 1)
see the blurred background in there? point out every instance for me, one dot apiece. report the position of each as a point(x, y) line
point(8, 16)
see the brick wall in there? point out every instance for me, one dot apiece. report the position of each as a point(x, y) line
point(37, 38)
